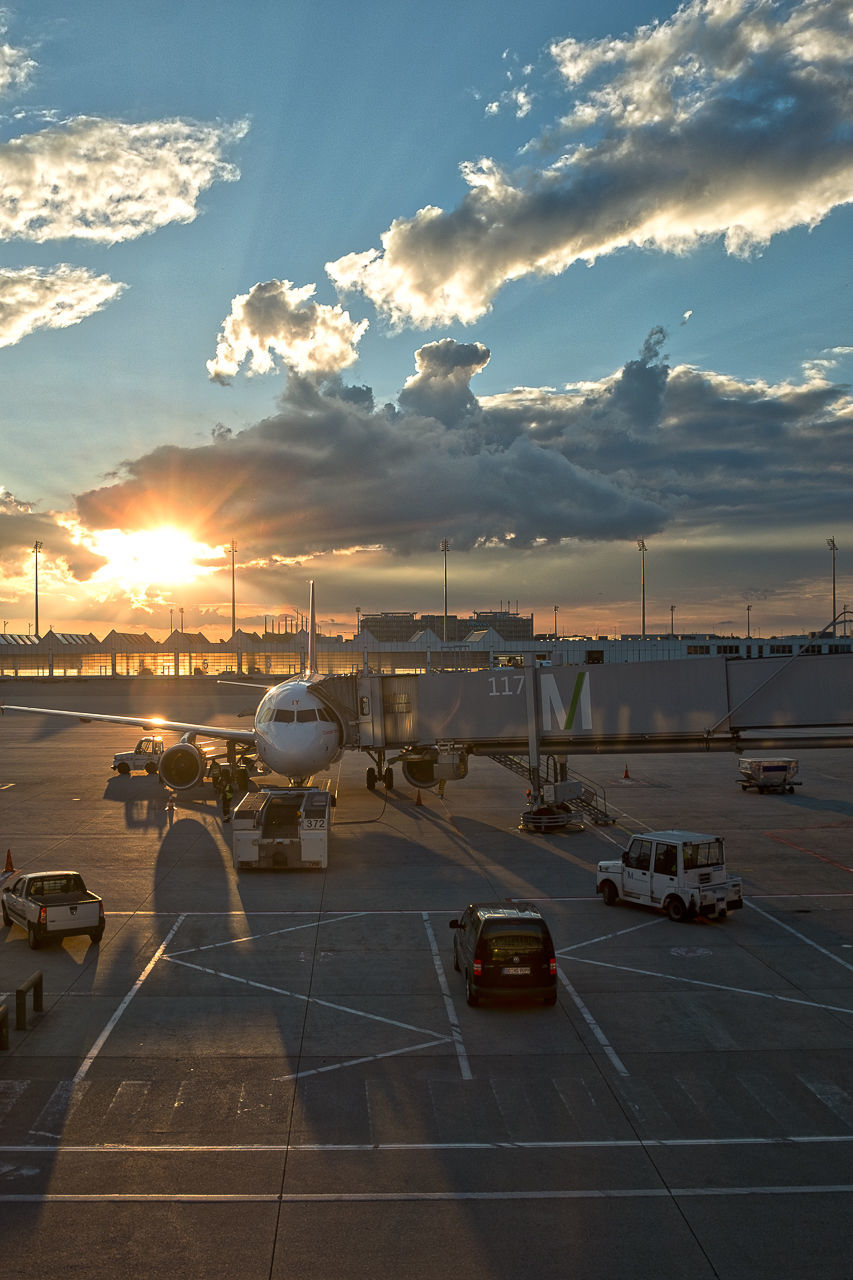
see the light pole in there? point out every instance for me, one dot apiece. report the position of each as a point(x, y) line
point(672, 619)
point(181, 612)
point(556, 636)
point(445, 547)
point(642, 549)
point(358, 620)
point(830, 542)
point(36, 550)
point(233, 550)
point(171, 624)
point(748, 612)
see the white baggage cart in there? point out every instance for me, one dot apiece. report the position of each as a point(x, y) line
point(778, 774)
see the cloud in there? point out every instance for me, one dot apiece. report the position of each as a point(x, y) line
point(277, 319)
point(530, 480)
point(440, 387)
point(32, 299)
point(107, 181)
point(731, 120)
point(16, 66)
point(633, 454)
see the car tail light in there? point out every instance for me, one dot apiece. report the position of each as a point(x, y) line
point(478, 968)
point(552, 967)
point(43, 915)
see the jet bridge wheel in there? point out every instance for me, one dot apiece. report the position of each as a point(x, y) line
point(371, 778)
point(388, 779)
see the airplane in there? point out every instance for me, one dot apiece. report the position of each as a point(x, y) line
point(295, 732)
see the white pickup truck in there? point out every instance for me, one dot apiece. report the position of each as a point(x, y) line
point(145, 755)
point(682, 872)
point(52, 904)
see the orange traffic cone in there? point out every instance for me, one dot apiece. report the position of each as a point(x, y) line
point(10, 866)
point(418, 800)
point(626, 774)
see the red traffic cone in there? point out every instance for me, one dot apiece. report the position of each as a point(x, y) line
point(626, 774)
point(418, 800)
point(10, 866)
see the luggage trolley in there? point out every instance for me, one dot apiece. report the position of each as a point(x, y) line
point(778, 775)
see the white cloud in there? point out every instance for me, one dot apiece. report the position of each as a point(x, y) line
point(16, 66)
point(107, 181)
point(732, 119)
point(277, 319)
point(32, 299)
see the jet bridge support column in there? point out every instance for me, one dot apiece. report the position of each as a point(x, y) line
point(534, 722)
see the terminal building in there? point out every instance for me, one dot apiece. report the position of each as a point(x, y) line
point(405, 644)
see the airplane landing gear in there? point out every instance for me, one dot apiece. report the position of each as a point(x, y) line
point(379, 772)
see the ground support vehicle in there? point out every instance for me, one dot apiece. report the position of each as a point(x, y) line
point(52, 904)
point(504, 949)
point(682, 872)
point(145, 755)
point(282, 827)
point(769, 775)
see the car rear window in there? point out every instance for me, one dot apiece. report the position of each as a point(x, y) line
point(502, 942)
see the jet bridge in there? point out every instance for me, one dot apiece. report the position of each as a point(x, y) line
point(431, 723)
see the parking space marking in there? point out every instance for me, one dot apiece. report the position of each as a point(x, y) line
point(590, 1021)
point(313, 923)
point(107, 1031)
point(802, 937)
point(606, 937)
point(519, 1144)
point(714, 986)
point(436, 1037)
point(385, 1197)
point(450, 1007)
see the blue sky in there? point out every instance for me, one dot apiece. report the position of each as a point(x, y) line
point(339, 281)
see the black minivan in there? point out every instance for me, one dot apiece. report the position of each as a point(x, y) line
point(504, 949)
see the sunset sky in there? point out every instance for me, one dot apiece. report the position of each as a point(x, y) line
point(338, 281)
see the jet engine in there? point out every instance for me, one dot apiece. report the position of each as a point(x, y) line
point(182, 766)
point(433, 765)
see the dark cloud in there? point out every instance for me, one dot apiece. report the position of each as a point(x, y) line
point(609, 461)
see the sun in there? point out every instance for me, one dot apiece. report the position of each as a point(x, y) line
point(144, 560)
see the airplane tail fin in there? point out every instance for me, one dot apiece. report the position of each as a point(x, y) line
point(312, 632)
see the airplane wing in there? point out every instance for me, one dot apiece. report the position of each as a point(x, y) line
point(245, 737)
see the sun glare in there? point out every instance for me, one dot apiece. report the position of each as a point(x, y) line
point(151, 558)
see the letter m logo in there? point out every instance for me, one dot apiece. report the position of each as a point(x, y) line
point(554, 714)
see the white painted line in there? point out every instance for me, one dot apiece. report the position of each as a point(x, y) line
point(327, 1004)
point(105, 1034)
point(357, 1062)
point(277, 1148)
point(615, 1060)
point(607, 937)
point(386, 1197)
point(314, 923)
point(450, 1007)
point(714, 986)
point(802, 937)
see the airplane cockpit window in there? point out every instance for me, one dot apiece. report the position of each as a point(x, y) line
point(284, 716)
point(309, 714)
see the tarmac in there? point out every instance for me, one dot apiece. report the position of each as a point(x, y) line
point(275, 1074)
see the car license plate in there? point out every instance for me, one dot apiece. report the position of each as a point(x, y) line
point(516, 970)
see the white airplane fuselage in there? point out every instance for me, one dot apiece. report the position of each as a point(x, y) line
point(296, 735)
